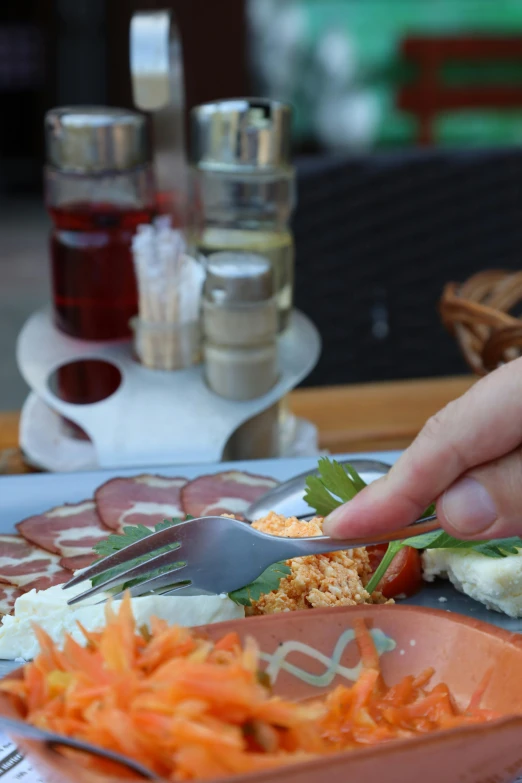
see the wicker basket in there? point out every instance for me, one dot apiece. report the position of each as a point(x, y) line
point(477, 313)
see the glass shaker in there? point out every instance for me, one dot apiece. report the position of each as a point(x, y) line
point(239, 318)
point(99, 187)
point(245, 185)
point(245, 195)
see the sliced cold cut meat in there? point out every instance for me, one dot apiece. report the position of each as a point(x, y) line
point(230, 492)
point(29, 567)
point(139, 500)
point(70, 531)
point(8, 596)
point(78, 562)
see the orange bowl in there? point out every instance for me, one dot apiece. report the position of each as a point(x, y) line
point(308, 653)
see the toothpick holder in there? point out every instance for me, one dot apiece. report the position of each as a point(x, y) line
point(155, 417)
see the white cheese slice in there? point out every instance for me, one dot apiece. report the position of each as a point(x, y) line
point(495, 582)
point(49, 610)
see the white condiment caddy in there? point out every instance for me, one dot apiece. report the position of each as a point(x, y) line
point(155, 417)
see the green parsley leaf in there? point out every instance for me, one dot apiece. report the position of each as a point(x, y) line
point(499, 547)
point(268, 581)
point(434, 540)
point(440, 540)
point(117, 541)
point(132, 533)
point(393, 548)
point(335, 484)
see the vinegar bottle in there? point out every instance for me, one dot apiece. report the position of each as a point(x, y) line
point(98, 188)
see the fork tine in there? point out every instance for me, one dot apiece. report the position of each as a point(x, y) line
point(119, 596)
point(168, 590)
point(155, 583)
point(167, 558)
point(145, 546)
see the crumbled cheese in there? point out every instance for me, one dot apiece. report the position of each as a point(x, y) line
point(494, 582)
point(49, 610)
point(335, 579)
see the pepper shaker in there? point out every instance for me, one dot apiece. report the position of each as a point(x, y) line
point(239, 326)
point(240, 322)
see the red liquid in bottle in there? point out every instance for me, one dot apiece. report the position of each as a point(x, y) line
point(94, 289)
point(94, 285)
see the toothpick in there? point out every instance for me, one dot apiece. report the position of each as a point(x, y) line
point(169, 285)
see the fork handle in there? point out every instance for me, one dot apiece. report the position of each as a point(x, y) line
point(317, 545)
point(18, 728)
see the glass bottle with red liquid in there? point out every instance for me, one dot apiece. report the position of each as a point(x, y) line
point(99, 187)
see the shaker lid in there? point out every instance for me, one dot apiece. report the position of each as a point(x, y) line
point(96, 138)
point(246, 132)
point(238, 278)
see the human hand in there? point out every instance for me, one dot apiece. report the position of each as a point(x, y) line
point(467, 459)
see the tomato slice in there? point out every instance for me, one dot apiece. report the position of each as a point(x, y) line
point(404, 575)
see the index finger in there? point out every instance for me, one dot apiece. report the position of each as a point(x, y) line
point(482, 425)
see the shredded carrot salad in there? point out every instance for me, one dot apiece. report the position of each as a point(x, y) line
point(191, 709)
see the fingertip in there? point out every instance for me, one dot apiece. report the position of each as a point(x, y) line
point(370, 512)
point(346, 520)
point(333, 521)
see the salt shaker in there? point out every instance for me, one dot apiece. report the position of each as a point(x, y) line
point(240, 321)
point(245, 185)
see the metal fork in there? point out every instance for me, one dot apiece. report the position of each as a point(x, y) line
point(17, 728)
point(215, 554)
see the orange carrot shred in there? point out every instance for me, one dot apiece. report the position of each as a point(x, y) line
point(479, 693)
point(191, 709)
point(367, 649)
point(228, 643)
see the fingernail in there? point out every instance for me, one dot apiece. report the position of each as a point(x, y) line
point(330, 522)
point(468, 507)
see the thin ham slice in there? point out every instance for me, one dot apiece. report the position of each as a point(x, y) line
point(139, 500)
point(230, 492)
point(70, 531)
point(78, 562)
point(29, 567)
point(8, 596)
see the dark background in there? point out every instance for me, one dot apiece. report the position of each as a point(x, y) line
point(377, 235)
point(59, 52)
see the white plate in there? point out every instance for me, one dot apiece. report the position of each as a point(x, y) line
point(22, 496)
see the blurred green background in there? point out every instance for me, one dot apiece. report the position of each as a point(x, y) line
point(339, 63)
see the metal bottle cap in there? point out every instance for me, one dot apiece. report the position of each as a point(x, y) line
point(238, 278)
point(96, 138)
point(246, 132)
point(156, 61)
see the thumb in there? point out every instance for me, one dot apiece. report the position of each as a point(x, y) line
point(477, 429)
point(486, 502)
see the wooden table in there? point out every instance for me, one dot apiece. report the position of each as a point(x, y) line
point(362, 417)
